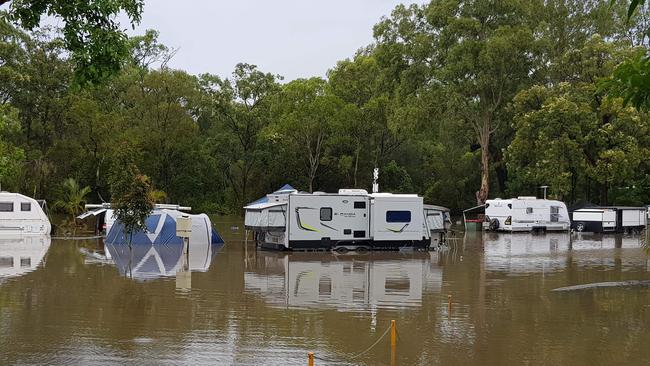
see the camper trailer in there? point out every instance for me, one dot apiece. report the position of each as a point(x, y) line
point(525, 214)
point(104, 218)
point(351, 219)
point(609, 219)
point(20, 214)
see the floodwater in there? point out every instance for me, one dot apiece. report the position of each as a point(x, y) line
point(63, 302)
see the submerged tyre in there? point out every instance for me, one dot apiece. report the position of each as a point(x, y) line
point(580, 227)
point(341, 250)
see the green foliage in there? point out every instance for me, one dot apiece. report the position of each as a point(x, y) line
point(97, 44)
point(72, 199)
point(12, 157)
point(131, 193)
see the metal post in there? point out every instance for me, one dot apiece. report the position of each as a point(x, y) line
point(311, 359)
point(393, 343)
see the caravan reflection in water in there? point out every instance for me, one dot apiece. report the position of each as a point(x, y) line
point(529, 253)
point(20, 254)
point(346, 283)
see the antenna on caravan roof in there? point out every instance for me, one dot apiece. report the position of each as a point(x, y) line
point(375, 176)
point(544, 188)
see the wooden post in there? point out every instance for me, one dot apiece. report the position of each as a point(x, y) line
point(393, 343)
point(449, 302)
point(311, 359)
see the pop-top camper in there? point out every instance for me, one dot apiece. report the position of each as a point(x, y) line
point(609, 219)
point(349, 219)
point(525, 214)
point(20, 214)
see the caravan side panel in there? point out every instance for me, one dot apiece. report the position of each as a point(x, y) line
point(633, 218)
point(321, 221)
point(398, 218)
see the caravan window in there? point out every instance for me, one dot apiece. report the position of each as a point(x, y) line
point(529, 210)
point(6, 207)
point(25, 206)
point(326, 214)
point(360, 204)
point(398, 216)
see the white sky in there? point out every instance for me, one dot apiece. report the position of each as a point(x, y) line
point(293, 38)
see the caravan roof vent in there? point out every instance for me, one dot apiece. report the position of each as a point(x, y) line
point(319, 193)
point(356, 192)
point(526, 198)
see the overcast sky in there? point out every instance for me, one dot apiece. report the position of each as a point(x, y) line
point(293, 38)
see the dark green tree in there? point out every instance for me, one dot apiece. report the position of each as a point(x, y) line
point(97, 44)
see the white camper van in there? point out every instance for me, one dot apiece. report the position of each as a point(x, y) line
point(20, 214)
point(349, 219)
point(525, 214)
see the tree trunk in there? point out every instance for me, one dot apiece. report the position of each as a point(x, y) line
point(356, 163)
point(482, 194)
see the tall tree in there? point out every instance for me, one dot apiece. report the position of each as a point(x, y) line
point(479, 52)
point(306, 117)
point(239, 109)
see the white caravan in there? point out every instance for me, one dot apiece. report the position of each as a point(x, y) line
point(609, 219)
point(20, 214)
point(349, 219)
point(526, 214)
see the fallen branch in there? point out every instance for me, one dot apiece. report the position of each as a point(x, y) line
point(590, 286)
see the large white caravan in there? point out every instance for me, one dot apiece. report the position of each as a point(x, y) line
point(526, 214)
point(348, 219)
point(20, 214)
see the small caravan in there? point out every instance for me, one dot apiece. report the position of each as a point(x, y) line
point(104, 218)
point(349, 219)
point(525, 214)
point(20, 214)
point(615, 219)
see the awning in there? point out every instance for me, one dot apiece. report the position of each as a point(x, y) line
point(91, 213)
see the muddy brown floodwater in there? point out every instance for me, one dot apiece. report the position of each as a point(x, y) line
point(65, 303)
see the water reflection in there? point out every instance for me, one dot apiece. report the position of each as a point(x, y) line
point(21, 254)
point(149, 261)
point(349, 283)
point(528, 253)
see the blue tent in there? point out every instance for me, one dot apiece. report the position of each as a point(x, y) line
point(284, 189)
point(161, 229)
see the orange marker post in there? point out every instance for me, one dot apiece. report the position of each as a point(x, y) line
point(393, 343)
point(311, 359)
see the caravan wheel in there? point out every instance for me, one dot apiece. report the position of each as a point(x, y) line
point(341, 250)
point(580, 227)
